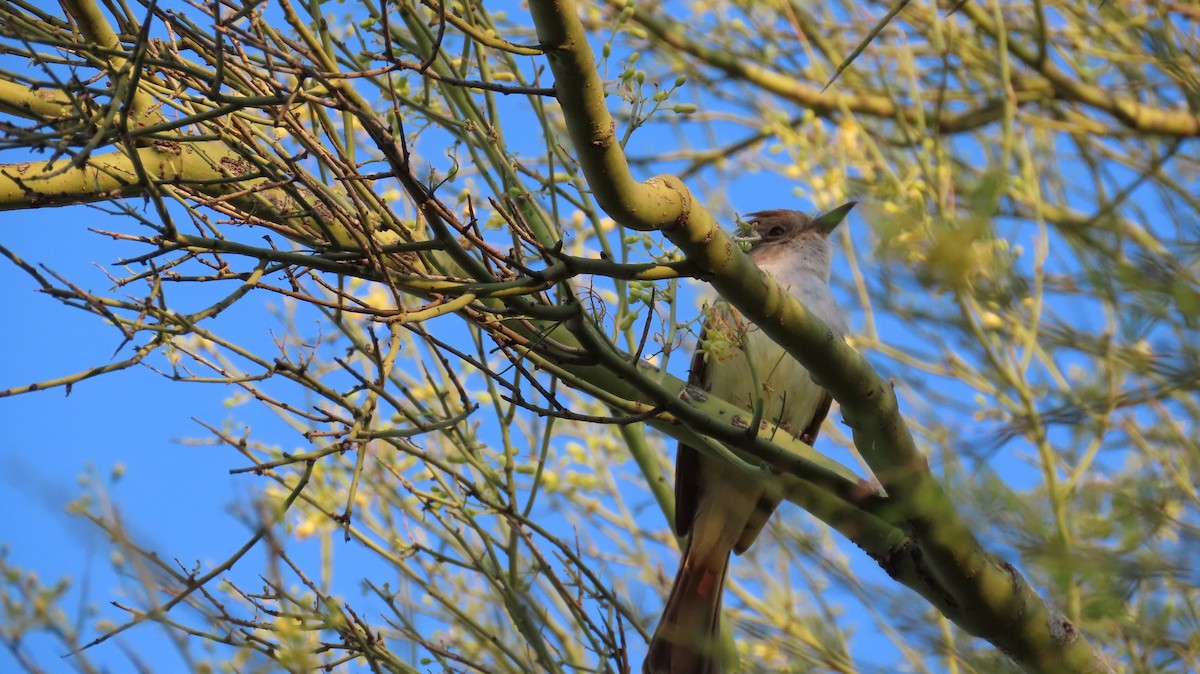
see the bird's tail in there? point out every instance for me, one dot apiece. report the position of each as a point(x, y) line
point(688, 637)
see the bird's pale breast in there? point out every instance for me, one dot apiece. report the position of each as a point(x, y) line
point(788, 393)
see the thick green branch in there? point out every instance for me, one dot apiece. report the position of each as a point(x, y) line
point(23, 101)
point(654, 204)
point(40, 184)
point(95, 29)
point(210, 168)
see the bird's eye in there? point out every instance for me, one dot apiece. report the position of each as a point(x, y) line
point(775, 232)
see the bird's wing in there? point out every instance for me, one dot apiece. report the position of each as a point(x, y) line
point(687, 459)
point(809, 436)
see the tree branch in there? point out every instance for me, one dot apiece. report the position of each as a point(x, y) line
point(985, 596)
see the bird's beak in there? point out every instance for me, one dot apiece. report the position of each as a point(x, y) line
point(826, 222)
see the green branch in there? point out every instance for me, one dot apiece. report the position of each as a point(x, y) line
point(985, 596)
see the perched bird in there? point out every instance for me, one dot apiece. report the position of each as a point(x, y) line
point(719, 508)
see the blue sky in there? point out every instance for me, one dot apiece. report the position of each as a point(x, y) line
point(120, 429)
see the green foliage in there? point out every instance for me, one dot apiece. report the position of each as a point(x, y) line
point(437, 262)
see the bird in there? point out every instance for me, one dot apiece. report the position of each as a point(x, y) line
point(719, 508)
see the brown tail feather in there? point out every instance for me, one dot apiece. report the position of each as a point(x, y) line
point(688, 637)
